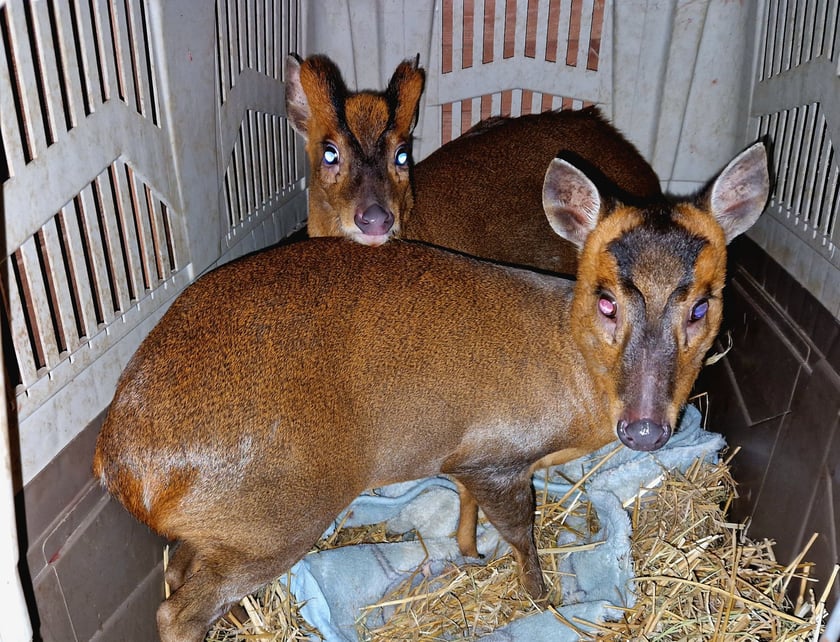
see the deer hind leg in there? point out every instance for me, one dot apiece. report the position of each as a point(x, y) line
point(182, 564)
point(467, 522)
point(219, 577)
point(509, 504)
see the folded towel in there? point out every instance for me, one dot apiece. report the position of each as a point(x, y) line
point(336, 584)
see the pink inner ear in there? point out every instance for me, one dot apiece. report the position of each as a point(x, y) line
point(571, 201)
point(740, 191)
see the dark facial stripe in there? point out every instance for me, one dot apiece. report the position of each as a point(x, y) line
point(655, 236)
point(381, 142)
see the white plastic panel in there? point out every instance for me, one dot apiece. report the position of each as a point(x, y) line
point(516, 58)
point(796, 104)
point(263, 158)
point(671, 74)
point(143, 143)
point(91, 206)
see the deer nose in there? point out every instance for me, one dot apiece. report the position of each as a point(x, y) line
point(643, 434)
point(374, 221)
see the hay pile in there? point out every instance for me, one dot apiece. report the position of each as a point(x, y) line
point(698, 578)
point(269, 615)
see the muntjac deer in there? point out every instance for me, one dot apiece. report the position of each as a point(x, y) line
point(479, 194)
point(288, 381)
point(359, 147)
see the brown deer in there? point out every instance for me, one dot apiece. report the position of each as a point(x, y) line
point(288, 381)
point(359, 147)
point(479, 194)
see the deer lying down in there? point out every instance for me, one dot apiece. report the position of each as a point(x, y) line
point(287, 382)
point(479, 194)
point(359, 147)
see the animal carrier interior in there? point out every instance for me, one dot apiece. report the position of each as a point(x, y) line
point(146, 142)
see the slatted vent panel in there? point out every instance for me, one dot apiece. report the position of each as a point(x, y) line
point(261, 169)
point(795, 106)
point(480, 32)
point(74, 276)
point(807, 187)
point(64, 59)
point(795, 33)
point(254, 35)
point(89, 264)
point(458, 117)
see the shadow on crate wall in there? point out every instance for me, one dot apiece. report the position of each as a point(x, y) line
point(96, 572)
point(776, 395)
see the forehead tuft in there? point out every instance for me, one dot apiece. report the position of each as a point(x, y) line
point(658, 253)
point(367, 116)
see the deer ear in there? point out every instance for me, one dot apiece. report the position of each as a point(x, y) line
point(405, 88)
point(571, 201)
point(736, 198)
point(297, 107)
point(314, 89)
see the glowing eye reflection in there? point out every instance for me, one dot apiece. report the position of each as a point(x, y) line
point(699, 310)
point(607, 307)
point(401, 157)
point(330, 154)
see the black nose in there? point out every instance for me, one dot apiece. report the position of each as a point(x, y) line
point(374, 221)
point(644, 434)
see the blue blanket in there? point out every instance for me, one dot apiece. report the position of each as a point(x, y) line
point(336, 584)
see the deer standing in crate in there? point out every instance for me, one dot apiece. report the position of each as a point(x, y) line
point(287, 382)
point(479, 194)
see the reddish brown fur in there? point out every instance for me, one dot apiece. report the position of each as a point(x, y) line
point(481, 194)
point(366, 129)
point(286, 384)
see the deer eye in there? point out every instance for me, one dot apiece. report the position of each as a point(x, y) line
point(699, 310)
point(607, 306)
point(330, 154)
point(401, 156)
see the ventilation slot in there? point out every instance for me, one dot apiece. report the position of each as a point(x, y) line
point(254, 36)
point(90, 263)
point(262, 168)
point(796, 33)
point(554, 30)
point(807, 186)
point(64, 59)
point(481, 32)
point(457, 118)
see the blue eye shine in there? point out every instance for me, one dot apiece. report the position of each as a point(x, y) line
point(699, 310)
point(401, 157)
point(330, 154)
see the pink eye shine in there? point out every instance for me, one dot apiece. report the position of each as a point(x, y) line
point(607, 307)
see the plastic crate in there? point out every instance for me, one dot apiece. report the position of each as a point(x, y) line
point(145, 141)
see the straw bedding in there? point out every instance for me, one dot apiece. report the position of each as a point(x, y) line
point(698, 577)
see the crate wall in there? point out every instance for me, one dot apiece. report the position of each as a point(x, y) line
point(145, 142)
point(796, 103)
point(673, 75)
